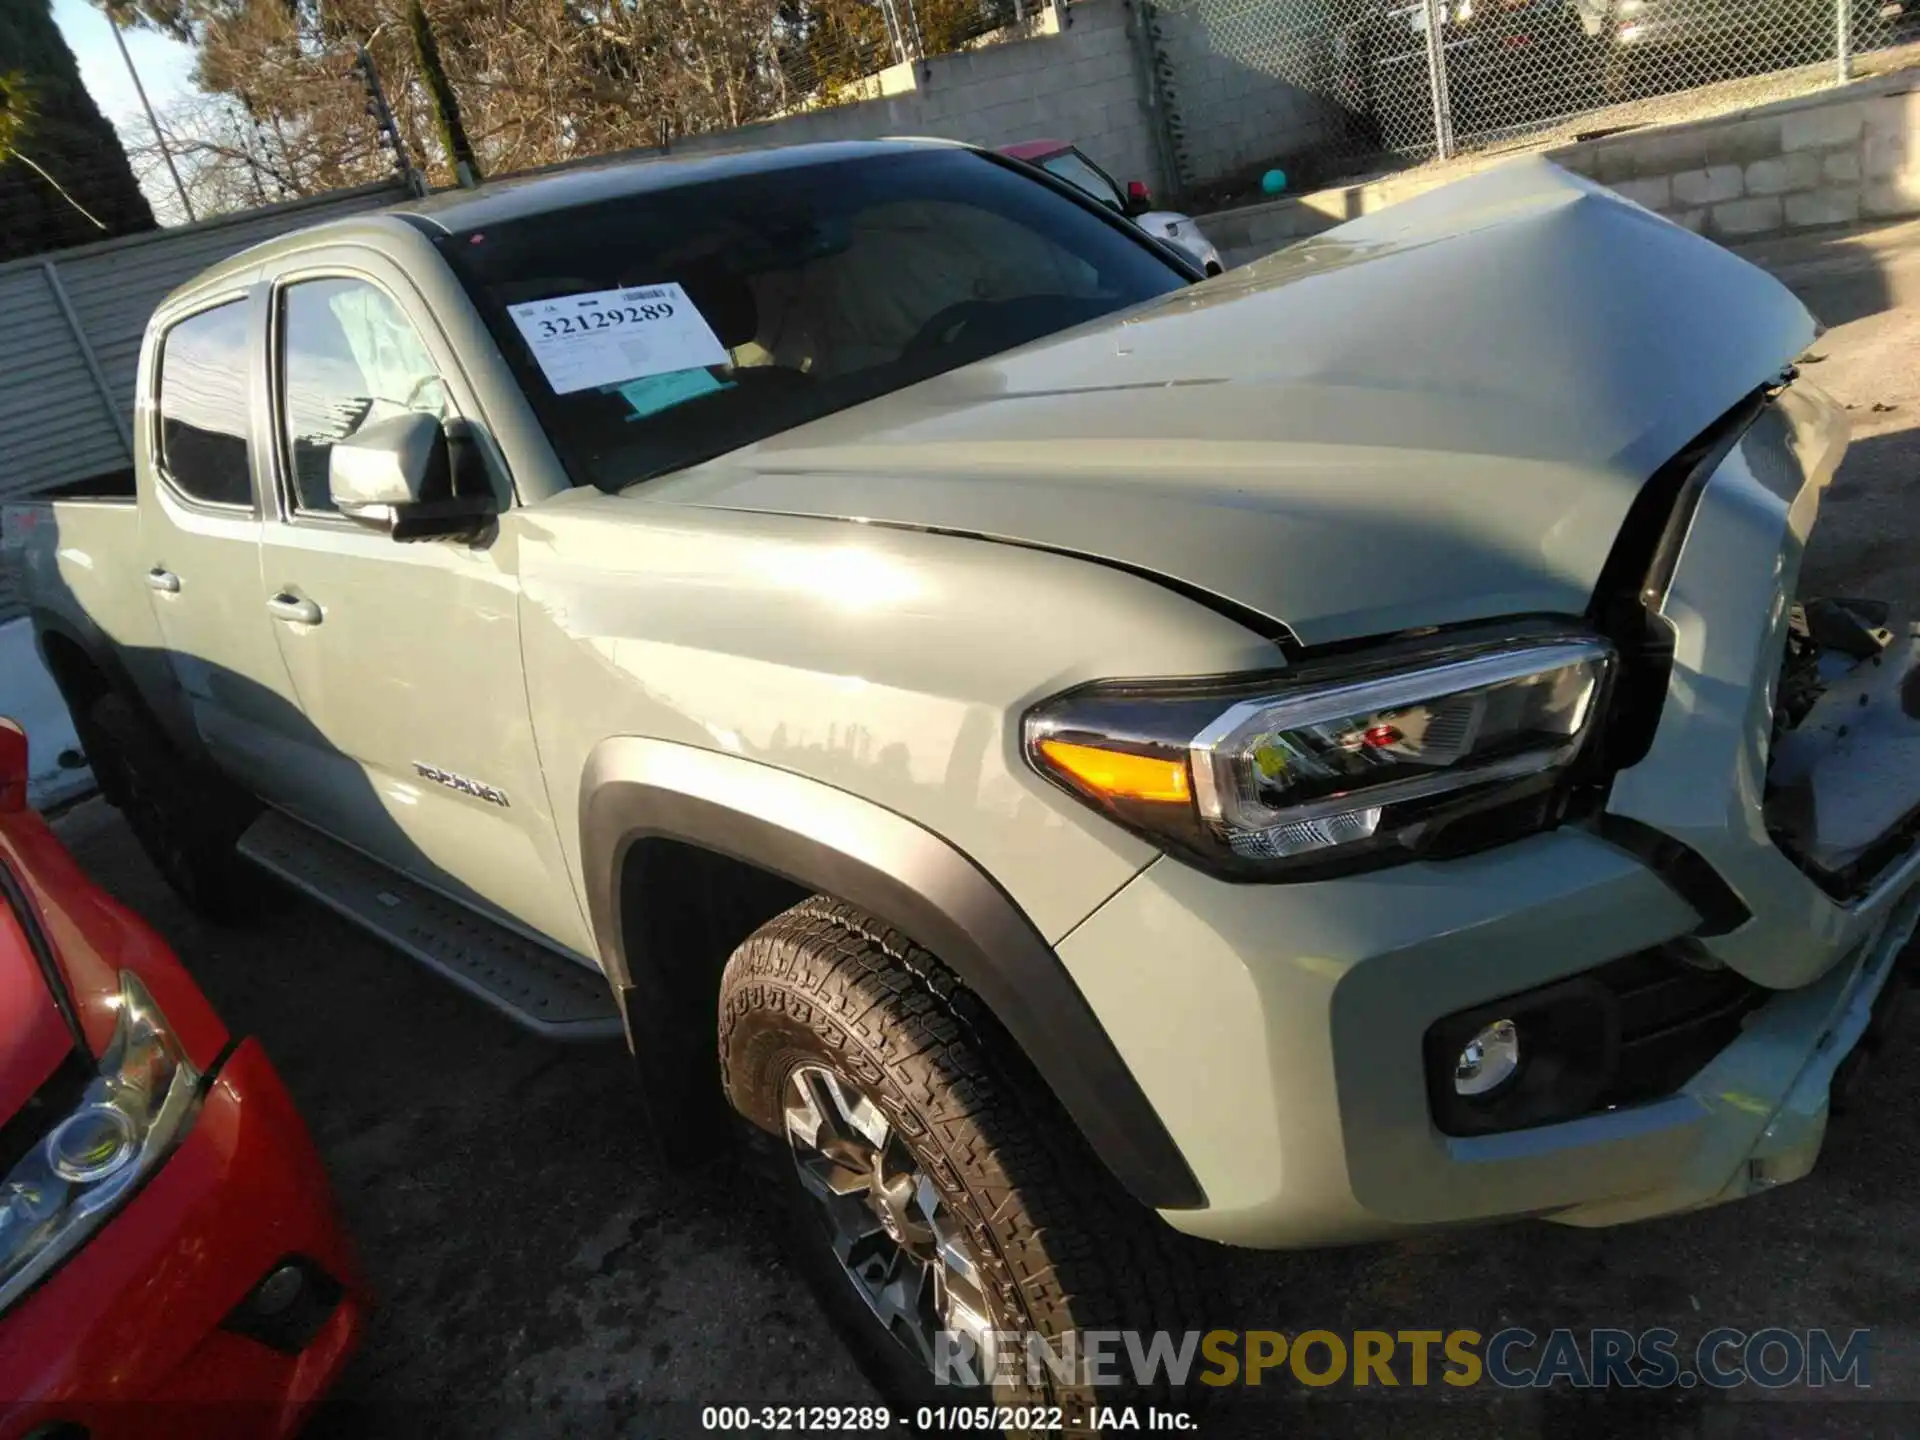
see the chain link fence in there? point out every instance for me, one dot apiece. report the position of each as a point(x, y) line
point(1370, 79)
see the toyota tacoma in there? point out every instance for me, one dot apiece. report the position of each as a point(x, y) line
point(1071, 751)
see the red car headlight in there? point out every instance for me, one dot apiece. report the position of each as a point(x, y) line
point(135, 1110)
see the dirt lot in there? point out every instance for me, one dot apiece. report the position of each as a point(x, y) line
point(538, 1273)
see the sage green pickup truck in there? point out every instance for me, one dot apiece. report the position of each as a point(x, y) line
point(1069, 750)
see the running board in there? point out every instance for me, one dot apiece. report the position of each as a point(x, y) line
point(538, 988)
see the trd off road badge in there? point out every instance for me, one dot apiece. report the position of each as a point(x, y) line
point(462, 784)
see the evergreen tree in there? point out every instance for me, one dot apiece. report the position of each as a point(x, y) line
point(64, 178)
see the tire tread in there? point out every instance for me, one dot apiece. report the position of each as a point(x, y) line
point(1079, 1252)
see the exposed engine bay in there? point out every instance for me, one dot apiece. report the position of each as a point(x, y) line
point(1844, 758)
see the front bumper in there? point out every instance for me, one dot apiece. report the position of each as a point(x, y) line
point(1278, 1032)
point(127, 1338)
point(1278, 1029)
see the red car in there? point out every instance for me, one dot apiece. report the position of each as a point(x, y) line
point(170, 1260)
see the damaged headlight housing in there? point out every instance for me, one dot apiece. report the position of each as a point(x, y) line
point(139, 1104)
point(1327, 769)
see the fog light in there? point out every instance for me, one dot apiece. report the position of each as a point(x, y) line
point(91, 1144)
point(1488, 1061)
point(289, 1308)
point(279, 1291)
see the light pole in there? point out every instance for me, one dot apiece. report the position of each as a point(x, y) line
point(146, 105)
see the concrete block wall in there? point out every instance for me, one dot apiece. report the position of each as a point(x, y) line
point(1846, 156)
point(1842, 157)
point(1242, 74)
point(1082, 82)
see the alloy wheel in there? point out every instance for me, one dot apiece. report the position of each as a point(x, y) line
point(899, 1242)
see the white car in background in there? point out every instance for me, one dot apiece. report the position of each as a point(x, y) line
point(1065, 160)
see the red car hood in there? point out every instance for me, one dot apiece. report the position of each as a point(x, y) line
point(34, 1039)
point(91, 941)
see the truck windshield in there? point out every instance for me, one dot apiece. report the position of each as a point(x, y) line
point(660, 329)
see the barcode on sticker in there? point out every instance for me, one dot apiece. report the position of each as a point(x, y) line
point(658, 292)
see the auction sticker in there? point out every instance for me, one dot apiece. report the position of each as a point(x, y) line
point(608, 337)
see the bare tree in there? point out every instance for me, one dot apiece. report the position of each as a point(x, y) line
point(228, 161)
point(506, 85)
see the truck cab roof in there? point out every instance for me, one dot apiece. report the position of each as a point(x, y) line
point(565, 187)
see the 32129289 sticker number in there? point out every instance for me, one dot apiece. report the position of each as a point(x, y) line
point(606, 319)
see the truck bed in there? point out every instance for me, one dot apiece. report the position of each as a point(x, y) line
point(108, 485)
point(76, 564)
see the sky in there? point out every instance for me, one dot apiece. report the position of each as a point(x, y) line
point(165, 69)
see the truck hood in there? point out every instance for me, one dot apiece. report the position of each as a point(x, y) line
point(1435, 414)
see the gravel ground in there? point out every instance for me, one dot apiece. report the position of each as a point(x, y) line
point(537, 1272)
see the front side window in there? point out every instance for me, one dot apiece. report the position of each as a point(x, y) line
point(663, 328)
point(203, 406)
point(348, 356)
point(1081, 173)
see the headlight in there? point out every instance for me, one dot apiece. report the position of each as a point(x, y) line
point(1332, 769)
point(131, 1114)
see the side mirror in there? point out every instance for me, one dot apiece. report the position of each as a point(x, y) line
point(399, 474)
point(13, 767)
point(1139, 197)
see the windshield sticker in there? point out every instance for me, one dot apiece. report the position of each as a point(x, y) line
point(654, 393)
point(608, 337)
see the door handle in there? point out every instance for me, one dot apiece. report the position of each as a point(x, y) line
point(293, 609)
point(165, 581)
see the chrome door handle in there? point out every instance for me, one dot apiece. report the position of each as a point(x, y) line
point(165, 581)
point(293, 609)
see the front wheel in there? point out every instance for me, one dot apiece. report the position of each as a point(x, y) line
point(940, 1202)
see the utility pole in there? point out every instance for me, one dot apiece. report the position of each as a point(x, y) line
point(159, 139)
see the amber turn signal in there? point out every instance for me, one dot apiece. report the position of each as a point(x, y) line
point(1117, 775)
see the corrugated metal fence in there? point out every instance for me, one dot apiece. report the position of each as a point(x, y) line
point(73, 325)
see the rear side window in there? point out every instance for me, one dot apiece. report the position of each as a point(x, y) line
point(203, 406)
